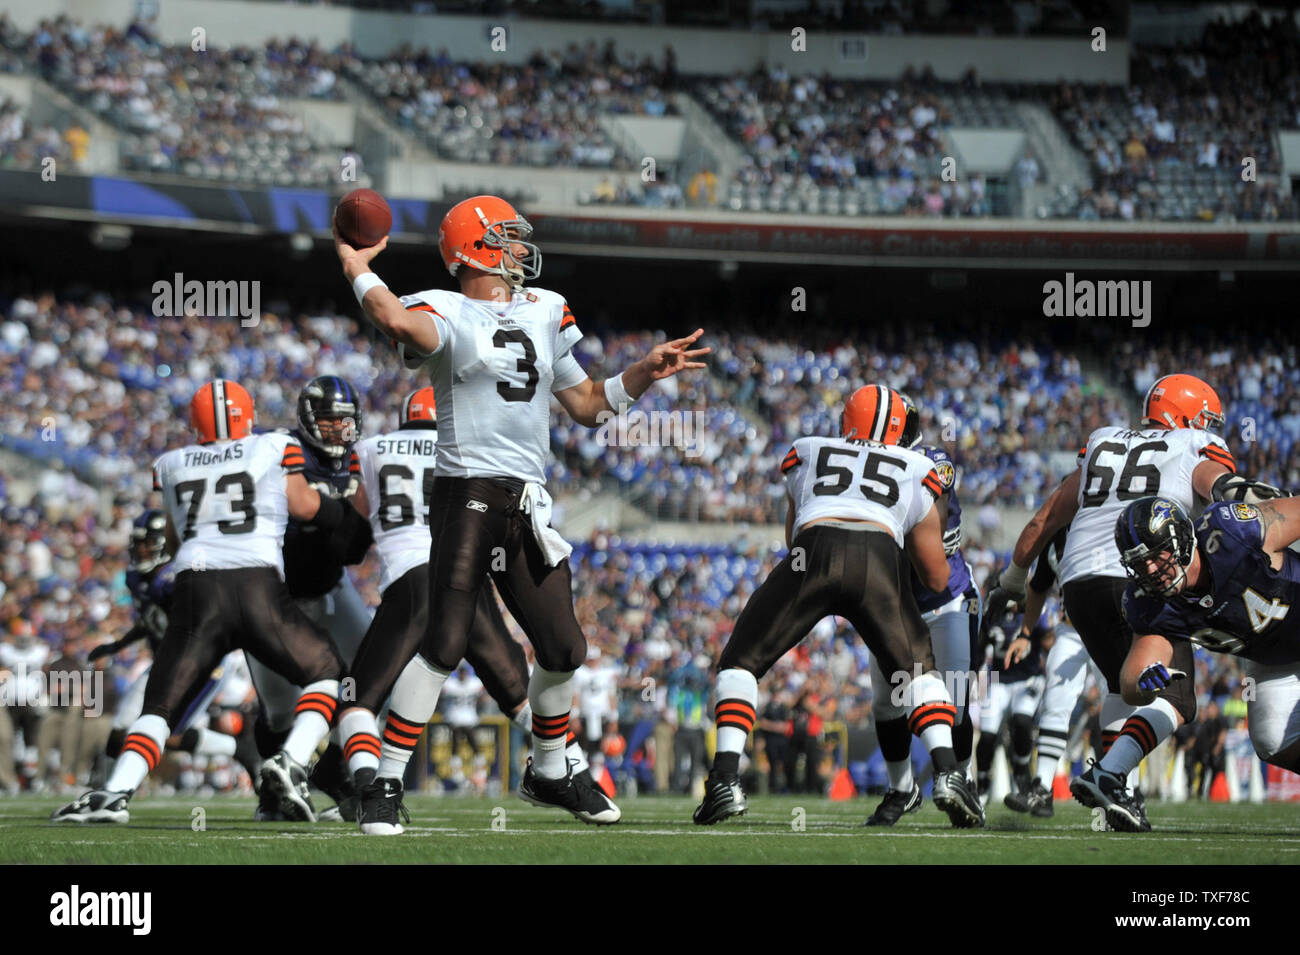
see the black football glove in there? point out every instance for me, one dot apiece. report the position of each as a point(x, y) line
point(351, 539)
point(1234, 487)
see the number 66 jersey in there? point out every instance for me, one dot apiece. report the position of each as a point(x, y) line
point(397, 474)
point(493, 374)
point(1120, 465)
point(227, 500)
point(842, 479)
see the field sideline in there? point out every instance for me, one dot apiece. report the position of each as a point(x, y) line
point(460, 830)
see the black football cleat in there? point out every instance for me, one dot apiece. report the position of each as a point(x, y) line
point(723, 798)
point(587, 803)
point(98, 805)
point(380, 806)
point(287, 782)
point(1035, 800)
point(956, 796)
point(1099, 789)
point(895, 806)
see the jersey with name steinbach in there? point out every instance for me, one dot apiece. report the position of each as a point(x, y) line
point(397, 471)
point(838, 478)
point(228, 500)
point(1249, 608)
point(1121, 465)
point(493, 373)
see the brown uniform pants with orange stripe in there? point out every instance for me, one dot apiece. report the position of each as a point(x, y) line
point(860, 575)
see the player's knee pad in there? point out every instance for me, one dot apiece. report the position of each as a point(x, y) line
point(885, 704)
point(561, 650)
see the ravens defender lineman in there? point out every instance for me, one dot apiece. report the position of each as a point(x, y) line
point(953, 617)
point(329, 424)
point(1230, 584)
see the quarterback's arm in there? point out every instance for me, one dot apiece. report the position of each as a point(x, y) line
point(1145, 651)
point(1281, 519)
point(1057, 511)
point(382, 307)
point(924, 544)
point(586, 400)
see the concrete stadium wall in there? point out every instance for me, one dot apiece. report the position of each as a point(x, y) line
point(1015, 59)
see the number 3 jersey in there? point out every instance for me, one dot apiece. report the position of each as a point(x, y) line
point(493, 374)
point(397, 474)
point(1120, 465)
point(1249, 609)
point(228, 501)
point(835, 478)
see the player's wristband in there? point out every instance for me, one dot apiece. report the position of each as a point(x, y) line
point(363, 283)
point(616, 394)
point(1014, 578)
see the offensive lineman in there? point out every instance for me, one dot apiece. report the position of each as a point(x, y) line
point(495, 352)
point(1175, 455)
point(953, 618)
point(228, 499)
point(855, 504)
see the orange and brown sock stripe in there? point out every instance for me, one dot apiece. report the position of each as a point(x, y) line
point(317, 702)
point(551, 727)
point(932, 714)
point(737, 714)
point(1141, 732)
point(361, 743)
point(1108, 738)
point(145, 746)
point(401, 733)
point(571, 738)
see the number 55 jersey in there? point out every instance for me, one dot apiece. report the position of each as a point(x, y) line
point(493, 374)
point(1121, 465)
point(227, 500)
point(840, 479)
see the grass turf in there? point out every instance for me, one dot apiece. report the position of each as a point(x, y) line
point(653, 830)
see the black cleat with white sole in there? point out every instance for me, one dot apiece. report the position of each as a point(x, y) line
point(287, 784)
point(956, 796)
point(723, 798)
point(1035, 800)
point(1099, 789)
point(98, 805)
point(585, 802)
point(895, 806)
point(380, 811)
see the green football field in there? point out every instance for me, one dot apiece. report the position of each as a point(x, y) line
point(654, 830)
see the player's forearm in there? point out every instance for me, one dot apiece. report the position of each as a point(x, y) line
point(1034, 601)
point(1057, 511)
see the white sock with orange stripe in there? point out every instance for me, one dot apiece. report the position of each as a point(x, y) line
point(141, 753)
point(410, 707)
point(1147, 728)
point(359, 731)
point(311, 721)
point(550, 694)
point(932, 717)
point(734, 713)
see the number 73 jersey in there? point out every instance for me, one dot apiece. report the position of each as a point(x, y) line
point(493, 374)
point(397, 474)
point(1120, 465)
point(1250, 609)
point(228, 500)
point(839, 479)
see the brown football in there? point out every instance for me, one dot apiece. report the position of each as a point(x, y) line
point(363, 218)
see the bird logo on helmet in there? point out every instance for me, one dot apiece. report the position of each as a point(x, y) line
point(330, 398)
point(420, 406)
point(486, 233)
point(1155, 531)
point(222, 410)
point(876, 413)
point(1182, 401)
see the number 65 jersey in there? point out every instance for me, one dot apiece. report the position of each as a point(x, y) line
point(1120, 465)
point(835, 478)
point(397, 474)
point(227, 500)
point(493, 374)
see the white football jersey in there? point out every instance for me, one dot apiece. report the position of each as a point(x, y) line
point(397, 473)
point(1120, 465)
point(228, 500)
point(862, 481)
point(493, 374)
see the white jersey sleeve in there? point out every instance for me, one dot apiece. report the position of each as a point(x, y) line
point(228, 500)
point(493, 374)
point(834, 478)
point(1119, 465)
point(397, 473)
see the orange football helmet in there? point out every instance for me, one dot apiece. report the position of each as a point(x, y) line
point(420, 406)
point(222, 410)
point(482, 232)
point(875, 413)
point(1182, 401)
